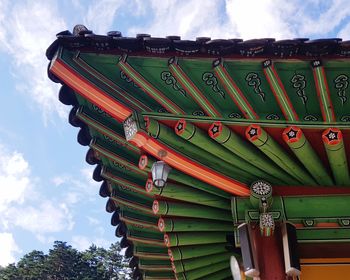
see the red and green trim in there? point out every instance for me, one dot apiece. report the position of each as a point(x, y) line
point(279, 91)
point(333, 142)
point(261, 139)
point(234, 92)
point(152, 256)
point(209, 272)
point(234, 143)
point(180, 177)
point(243, 170)
point(192, 89)
point(88, 90)
point(105, 130)
point(132, 204)
point(191, 264)
point(122, 94)
point(105, 173)
point(323, 92)
point(184, 164)
point(188, 194)
point(184, 209)
point(148, 88)
point(191, 238)
point(145, 240)
point(139, 223)
point(194, 251)
point(154, 265)
point(174, 224)
point(298, 143)
point(112, 156)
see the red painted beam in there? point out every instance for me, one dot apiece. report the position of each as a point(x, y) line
point(309, 190)
point(186, 165)
point(269, 252)
point(89, 91)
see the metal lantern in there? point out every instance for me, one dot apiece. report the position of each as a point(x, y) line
point(267, 224)
point(160, 172)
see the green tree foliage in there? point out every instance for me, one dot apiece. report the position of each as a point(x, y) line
point(65, 263)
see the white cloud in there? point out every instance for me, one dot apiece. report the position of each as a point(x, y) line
point(14, 178)
point(93, 221)
point(100, 15)
point(263, 18)
point(23, 206)
point(100, 230)
point(90, 188)
point(59, 180)
point(188, 19)
point(43, 218)
point(328, 18)
point(79, 187)
point(345, 32)
point(3, 10)
point(28, 28)
point(287, 19)
point(72, 198)
point(246, 19)
point(18, 195)
point(8, 248)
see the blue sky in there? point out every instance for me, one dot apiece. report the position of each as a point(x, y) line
point(46, 190)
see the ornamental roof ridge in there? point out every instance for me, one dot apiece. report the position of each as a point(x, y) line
point(144, 44)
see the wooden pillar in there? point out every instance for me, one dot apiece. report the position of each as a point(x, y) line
point(269, 252)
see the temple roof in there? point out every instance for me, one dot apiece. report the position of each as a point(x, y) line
point(223, 114)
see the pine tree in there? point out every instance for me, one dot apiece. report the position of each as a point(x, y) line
point(64, 262)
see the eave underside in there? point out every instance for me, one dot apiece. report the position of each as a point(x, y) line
point(228, 123)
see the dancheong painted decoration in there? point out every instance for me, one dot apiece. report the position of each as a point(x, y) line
point(219, 158)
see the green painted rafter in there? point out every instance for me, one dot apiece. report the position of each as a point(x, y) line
point(146, 162)
point(105, 128)
point(126, 181)
point(148, 87)
point(323, 92)
point(194, 251)
point(175, 224)
point(298, 143)
point(334, 145)
point(242, 122)
point(197, 137)
point(174, 239)
point(234, 143)
point(192, 89)
point(184, 209)
point(261, 139)
point(89, 91)
point(203, 272)
point(102, 149)
point(279, 91)
point(123, 95)
point(190, 264)
point(233, 90)
point(187, 194)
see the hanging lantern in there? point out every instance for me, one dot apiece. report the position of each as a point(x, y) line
point(160, 172)
point(267, 224)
